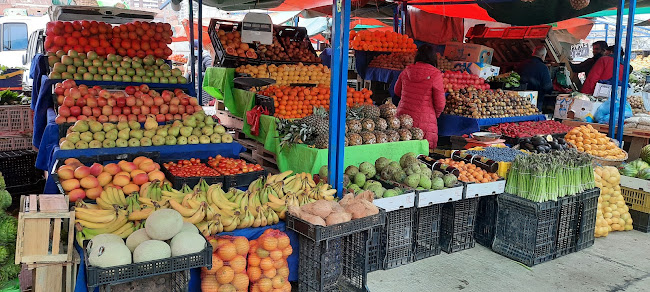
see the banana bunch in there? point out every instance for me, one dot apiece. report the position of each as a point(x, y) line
point(139, 208)
point(92, 222)
point(112, 198)
point(153, 190)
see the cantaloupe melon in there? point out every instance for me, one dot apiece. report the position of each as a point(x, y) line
point(136, 238)
point(101, 239)
point(186, 243)
point(189, 227)
point(151, 250)
point(163, 224)
point(109, 255)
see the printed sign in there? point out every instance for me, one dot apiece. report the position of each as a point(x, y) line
point(580, 50)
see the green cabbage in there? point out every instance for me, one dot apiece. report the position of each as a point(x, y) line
point(629, 170)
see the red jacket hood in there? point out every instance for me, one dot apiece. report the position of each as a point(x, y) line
point(418, 72)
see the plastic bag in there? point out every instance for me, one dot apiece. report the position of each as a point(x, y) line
point(602, 113)
point(229, 263)
point(267, 262)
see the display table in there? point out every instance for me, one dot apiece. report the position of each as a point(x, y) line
point(202, 151)
point(450, 125)
point(195, 274)
point(635, 138)
point(362, 59)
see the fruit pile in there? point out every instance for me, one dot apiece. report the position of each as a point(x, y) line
point(488, 104)
point(327, 213)
point(379, 41)
point(463, 80)
point(443, 63)
point(497, 153)
point(190, 168)
point(529, 129)
point(194, 129)
point(299, 50)
point(469, 172)
point(612, 214)
point(80, 181)
point(80, 103)
point(288, 74)
point(131, 39)
point(179, 58)
point(272, 52)
point(230, 166)
point(393, 61)
point(268, 269)
point(228, 272)
point(539, 144)
point(636, 102)
point(231, 42)
point(589, 140)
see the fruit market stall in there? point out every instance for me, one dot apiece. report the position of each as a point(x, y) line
point(637, 138)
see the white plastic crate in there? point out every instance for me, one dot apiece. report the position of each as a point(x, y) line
point(396, 202)
point(474, 190)
point(426, 198)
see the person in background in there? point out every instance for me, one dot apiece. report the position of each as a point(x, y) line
point(535, 73)
point(422, 93)
point(603, 70)
point(598, 49)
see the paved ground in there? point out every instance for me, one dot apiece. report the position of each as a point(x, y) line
point(619, 262)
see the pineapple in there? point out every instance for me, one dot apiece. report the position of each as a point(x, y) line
point(404, 134)
point(381, 124)
point(354, 126)
point(387, 110)
point(322, 141)
point(354, 113)
point(345, 143)
point(406, 121)
point(368, 138)
point(370, 111)
point(294, 132)
point(354, 139)
point(393, 123)
point(368, 125)
point(417, 133)
point(381, 137)
point(393, 136)
point(318, 121)
point(579, 4)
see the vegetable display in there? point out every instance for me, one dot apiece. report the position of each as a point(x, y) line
point(217, 166)
point(636, 168)
point(511, 79)
point(326, 213)
point(548, 176)
point(589, 140)
point(488, 104)
point(530, 129)
point(613, 214)
point(546, 144)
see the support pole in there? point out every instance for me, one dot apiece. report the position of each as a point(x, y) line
point(338, 92)
point(617, 62)
point(192, 70)
point(199, 85)
point(606, 32)
point(626, 69)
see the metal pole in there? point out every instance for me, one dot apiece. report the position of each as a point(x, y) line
point(606, 32)
point(199, 85)
point(617, 62)
point(626, 69)
point(192, 69)
point(338, 92)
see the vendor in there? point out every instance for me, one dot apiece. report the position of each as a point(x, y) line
point(598, 49)
point(535, 73)
point(603, 70)
point(422, 93)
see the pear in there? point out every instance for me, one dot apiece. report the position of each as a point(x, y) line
point(99, 136)
point(124, 134)
point(137, 133)
point(215, 138)
point(197, 132)
point(190, 121)
point(108, 127)
point(80, 126)
point(182, 140)
point(67, 145)
point(219, 129)
point(95, 126)
point(149, 133)
point(145, 141)
point(81, 145)
point(73, 137)
point(186, 131)
point(122, 125)
point(150, 123)
point(108, 143)
point(170, 140)
point(200, 124)
point(134, 125)
point(158, 140)
point(226, 138)
point(199, 116)
point(86, 136)
point(204, 139)
point(177, 123)
point(209, 121)
point(193, 140)
point(121, 143)
point(207, 131)
point(95, 144)
point(174, 131)
point(162, 132)
point(133, 142)
point(111, 135)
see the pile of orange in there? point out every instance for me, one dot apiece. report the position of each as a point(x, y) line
point(469, 172)
point(589, 140)
point(381, 41)
point(268, 269)
point(228, 272)
point(296, 102)
point(231, 42)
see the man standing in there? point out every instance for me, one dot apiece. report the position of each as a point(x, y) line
point(598, 50)
point(535, 73)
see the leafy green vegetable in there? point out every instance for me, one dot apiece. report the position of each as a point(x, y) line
point(5, 199)
point(8, 228)
point(9, 271)
point(5, 252)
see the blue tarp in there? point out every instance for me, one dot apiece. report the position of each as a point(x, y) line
point(450, 125)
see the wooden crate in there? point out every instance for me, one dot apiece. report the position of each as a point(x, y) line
point(40, 222)
point(49, 277)
point(256, 152)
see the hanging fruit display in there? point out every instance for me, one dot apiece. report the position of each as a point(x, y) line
point(612, 214)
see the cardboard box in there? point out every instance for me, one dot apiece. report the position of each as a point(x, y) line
point(567, 107)
point(468, 52)
point(481, 69)
point(530, 94)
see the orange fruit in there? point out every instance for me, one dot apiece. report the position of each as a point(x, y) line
point(227, 251)
point(227, 288)
point(270, 273)
point(279, 263)
point(287, 251)
point(276, 255)
point(266, 264)
point(241, 245)
point(240, 281)
point(238, 264)
point(269, 243)
point(225, 275)
point(283, 241)
point(209, 284)
point(254, 260)
point(278, 282)
point(283, 272)
point(254, 273)
point(264, 285)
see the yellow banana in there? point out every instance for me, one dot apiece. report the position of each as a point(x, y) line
point(274, 199)
point(204, 228)
point(103, 204)
point(114, 225)
point(280, 176)
point(95, 216)
point(125, 230)
point(209, 212)
point(216, 227)
point(223, 212)
point(193, 203)
point(144, 190)
point(227, 220)
point(185, 212)
point(140, 214)
point(232, 226)
point(196, 217)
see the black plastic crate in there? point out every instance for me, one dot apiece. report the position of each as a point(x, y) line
point(178, 182)
point(567, 225)
point(297, 35)
point(96, 276)
point(265, 102)
point(18, 169)
point(526, 231)
point(397, 238)
point(427, 232)
point(587, 216)
point(486, 219)
point(243, 179)
point(375, 260)
point(321, 233)
point(457, 225)
point(640, 221)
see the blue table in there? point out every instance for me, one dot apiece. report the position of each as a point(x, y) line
point(175, 152)
point(362, 60)
point(450, 125)
point(195, 274)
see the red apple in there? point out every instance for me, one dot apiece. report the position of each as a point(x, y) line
point(68, 101)
point(107, 110)
point(64, 111)
point(112, 118)
point(154, 110)
point(90, 100)
point(147, 100)
point(185, 101)
point(158, 100)
point(181, 109)
point(104, 93)
point(173, 109)
point(122, 118)
point(126, 110)
point(130, 100)
point(71, 119)
point(164, 109)
point(97, 111)
point(175, 101)
point(102, 119)
point(132, 117)
point(121, 101)
point(111, 101)
point(169, 117)
point(60, 120)
point(86, 111)
point(144, 110)
point(101, 102)
point(144, 88)
point(142, 118)
point(117, 111)
point(189, 109)
point(177, 117)
point(130, 90)
point(75, 111)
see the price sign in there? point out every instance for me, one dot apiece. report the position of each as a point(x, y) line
point(257, 27)
point(580, 50)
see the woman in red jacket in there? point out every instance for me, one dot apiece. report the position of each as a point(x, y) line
point(422, 94)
